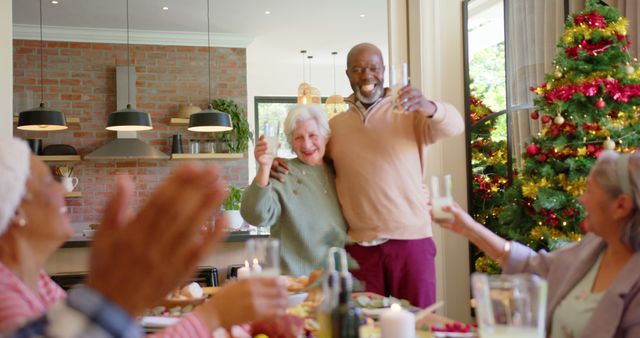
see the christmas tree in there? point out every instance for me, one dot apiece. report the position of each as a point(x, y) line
point(588, 103)
point(489, 175)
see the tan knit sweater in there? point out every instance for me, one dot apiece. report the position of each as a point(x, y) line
point(379, 161)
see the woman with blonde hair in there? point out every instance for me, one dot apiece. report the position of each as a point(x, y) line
point(594, 284)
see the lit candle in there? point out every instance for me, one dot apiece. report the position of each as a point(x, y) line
point(405, 74)
point(397, 323)
point(255, 266)
point(244, 271)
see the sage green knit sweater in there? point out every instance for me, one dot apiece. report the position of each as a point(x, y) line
point(303, 213)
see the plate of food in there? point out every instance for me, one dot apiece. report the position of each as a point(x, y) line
point(192, 294)
point(373, 305)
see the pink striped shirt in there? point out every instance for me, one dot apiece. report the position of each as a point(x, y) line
point(19, 304)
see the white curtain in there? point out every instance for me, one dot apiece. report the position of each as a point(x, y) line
point(534, 28)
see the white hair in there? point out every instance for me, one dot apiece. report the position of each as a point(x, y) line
point(15, 164)
point(607, 173)
point(303, 112)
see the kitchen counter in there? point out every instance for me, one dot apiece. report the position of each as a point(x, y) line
point(80, 241)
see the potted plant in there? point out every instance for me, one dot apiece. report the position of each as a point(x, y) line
point(232, 207)
point(236, 140)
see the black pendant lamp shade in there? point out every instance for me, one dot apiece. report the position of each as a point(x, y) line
point(210, 120)
point(41, 119)
point(129, 119)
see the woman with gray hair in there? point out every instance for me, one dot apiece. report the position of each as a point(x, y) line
point(594, 284)
point(303, 210)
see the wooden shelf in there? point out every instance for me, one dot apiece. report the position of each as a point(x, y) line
point(69, 120)
point(221, 156)
point(73, 194)
point(176, 121)
point(60, 158)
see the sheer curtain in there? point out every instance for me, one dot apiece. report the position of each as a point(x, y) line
point(534, 28)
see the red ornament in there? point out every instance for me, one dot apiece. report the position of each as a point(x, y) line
point(545, 119)
point(600, 103)
point(532, 150)
point(534, 115)
point(542, 157)
point(591, 148)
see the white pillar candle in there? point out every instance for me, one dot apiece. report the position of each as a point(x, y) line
point(397, 323)
point(244, 271)
point(255, 266)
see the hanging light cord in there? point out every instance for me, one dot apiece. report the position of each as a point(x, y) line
point(41, 59)
point(209, 52)
point(304, 74)
point(128, 61)
point(309, 68)
point(334, 71)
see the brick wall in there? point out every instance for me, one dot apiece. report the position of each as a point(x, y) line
point(80, 80)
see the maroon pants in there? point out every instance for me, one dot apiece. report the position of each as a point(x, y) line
point(403, 269)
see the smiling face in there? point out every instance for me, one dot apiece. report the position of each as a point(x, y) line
point(45, 208)
point(365, 70)
point(308, 142)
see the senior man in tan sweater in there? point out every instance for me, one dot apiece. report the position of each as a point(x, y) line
point(379, 157)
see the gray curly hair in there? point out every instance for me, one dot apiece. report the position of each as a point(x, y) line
point(610, 171)
point(303, 112)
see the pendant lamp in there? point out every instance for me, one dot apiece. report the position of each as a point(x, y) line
point(129, 119)
point(306, 92)
point(334, 102)
point(41, 118)
point(209, 120)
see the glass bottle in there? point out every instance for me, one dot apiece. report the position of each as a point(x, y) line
point(345, 318)
point(194, 146)
point(329, 302)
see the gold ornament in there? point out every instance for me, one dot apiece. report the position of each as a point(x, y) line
point(582, 151)
point(630, 70)
point(608, 144)
point(558, 119)
point(557, 74)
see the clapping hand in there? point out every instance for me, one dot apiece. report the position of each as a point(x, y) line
point(137, 259)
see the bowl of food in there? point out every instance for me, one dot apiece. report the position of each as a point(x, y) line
point(191, 294)
point(297, 298)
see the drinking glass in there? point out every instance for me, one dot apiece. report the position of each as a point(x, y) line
point(510, 305)
point(263, 255)
point(271, 130)
point(396, 82)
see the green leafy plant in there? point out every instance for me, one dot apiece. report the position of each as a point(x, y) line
point(236, 140)
point(233, 200)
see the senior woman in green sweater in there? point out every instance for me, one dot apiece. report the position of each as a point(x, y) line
point(303, 210)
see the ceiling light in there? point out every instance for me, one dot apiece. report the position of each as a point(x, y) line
point(362, 15)
point(41, 118)
point(129, 119)
point(267, 12)
point(209, 120)
point(55, 2)
point(335, 103)
point(165, 8)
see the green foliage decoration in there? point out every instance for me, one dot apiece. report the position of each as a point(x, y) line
point(236, 140)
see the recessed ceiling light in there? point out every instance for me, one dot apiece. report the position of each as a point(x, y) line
point(165, 8)
point(267, 12)
point(362, 15)
point(55, 2)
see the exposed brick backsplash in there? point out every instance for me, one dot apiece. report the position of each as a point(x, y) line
point(80, 80)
